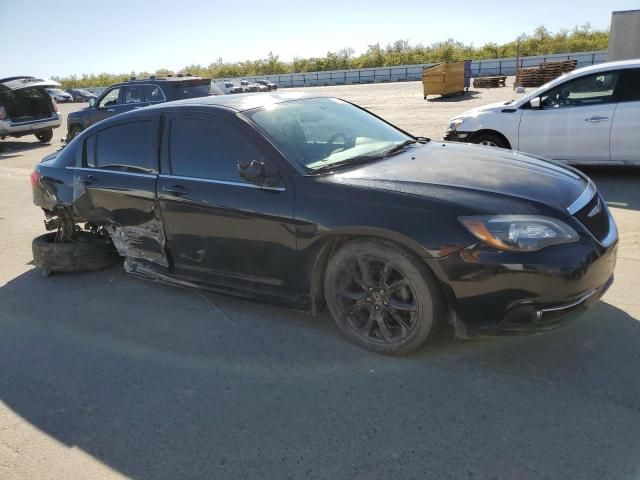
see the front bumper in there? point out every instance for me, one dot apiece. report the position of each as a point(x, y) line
point(505, 293)
point(8, 128)
point(457, 136)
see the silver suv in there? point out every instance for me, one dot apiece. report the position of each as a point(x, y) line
point(27, 109)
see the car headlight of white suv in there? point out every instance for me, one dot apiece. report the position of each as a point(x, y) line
point(455, 124)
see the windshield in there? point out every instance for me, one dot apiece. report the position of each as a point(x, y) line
point(56, 91)
point(320, 132)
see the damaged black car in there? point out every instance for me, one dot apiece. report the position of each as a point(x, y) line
point(312, 202)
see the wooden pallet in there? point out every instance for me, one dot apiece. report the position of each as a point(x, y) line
point(536, 76)
point(489, 82)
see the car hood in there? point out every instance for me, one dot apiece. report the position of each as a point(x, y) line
point(490, 108)
point(457, 172)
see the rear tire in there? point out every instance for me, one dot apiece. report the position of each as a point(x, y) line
point(489, 140)
point(44, 136)
point(382, 298)
point(86, 252)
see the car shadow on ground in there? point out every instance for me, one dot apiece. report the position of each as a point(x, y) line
point(10, 149)
point(454, 97)
point(618, 185)
point(159, 382)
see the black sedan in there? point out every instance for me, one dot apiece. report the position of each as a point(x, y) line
point(80, 94)
point(315, 201)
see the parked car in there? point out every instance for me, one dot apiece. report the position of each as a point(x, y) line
point(314, 201)
point(134, 94)
point(270, 85)
point(80, 94)
point(247, 87)
point(60, 96)
point(27, 109)
point(225, 87)
point(588, 116)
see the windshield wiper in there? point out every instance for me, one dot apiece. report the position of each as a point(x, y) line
point(397, 148)
point(360, 159)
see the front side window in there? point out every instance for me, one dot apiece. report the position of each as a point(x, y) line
point(110, 99)
point(209, 149)
point(133, 94)
point(584, 91)
point(128, 147)
point(319, 132)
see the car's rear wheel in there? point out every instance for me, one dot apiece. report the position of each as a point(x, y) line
point(86, 251)
point(489, 140)
point(44, 136)
point(381, 297)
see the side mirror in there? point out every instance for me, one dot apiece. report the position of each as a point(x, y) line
point(535, 102)
point(252, 171)
point(92, 102)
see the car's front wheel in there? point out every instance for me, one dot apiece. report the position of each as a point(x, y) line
point(44, 136)
point(74, 131)
point(489, 140)
point(381, 297)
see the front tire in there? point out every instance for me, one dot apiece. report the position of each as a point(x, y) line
point(74, 131)
point(84, 253)
point(44, 136)
point(381, 297)
point(489, 140)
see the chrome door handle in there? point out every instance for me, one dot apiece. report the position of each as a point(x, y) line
point(110, 110)
point(596, 119)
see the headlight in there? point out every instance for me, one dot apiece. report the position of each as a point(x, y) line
point(455, 123)
point(521, 233)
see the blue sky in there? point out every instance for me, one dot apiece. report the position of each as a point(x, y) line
point(51, 37)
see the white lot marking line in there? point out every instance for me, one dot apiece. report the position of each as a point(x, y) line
point(215, 307)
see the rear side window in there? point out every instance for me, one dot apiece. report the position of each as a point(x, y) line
point(133, 94)
point(628, 89)
point(209, 149)
point(153, 93)
point(129, 147)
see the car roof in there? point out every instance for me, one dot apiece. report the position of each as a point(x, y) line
point(238, 102)
point(601, 67)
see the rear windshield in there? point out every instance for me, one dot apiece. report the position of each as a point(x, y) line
point(191, 89)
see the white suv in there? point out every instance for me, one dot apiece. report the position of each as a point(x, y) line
point(588, 116)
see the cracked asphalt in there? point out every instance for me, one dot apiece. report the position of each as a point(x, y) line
point(103, 376)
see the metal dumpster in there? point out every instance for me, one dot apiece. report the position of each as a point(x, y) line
point(446, 78)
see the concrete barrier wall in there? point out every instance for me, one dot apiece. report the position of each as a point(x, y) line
point(479, 68)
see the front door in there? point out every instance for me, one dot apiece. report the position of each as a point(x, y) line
point(115, 185)
point(108, 105)
point(573, 122)
point(221, 227)
point(625, 131)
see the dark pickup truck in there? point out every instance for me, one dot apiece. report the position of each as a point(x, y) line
point(134, 94)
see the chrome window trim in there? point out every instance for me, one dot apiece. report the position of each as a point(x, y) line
point(223, 182)
point(103, 170)
point(582, 200)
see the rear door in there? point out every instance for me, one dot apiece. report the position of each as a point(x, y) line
point(133, 97)
point(625, 131)
point(222, 228)
point(573, 122)
point(114, 186)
